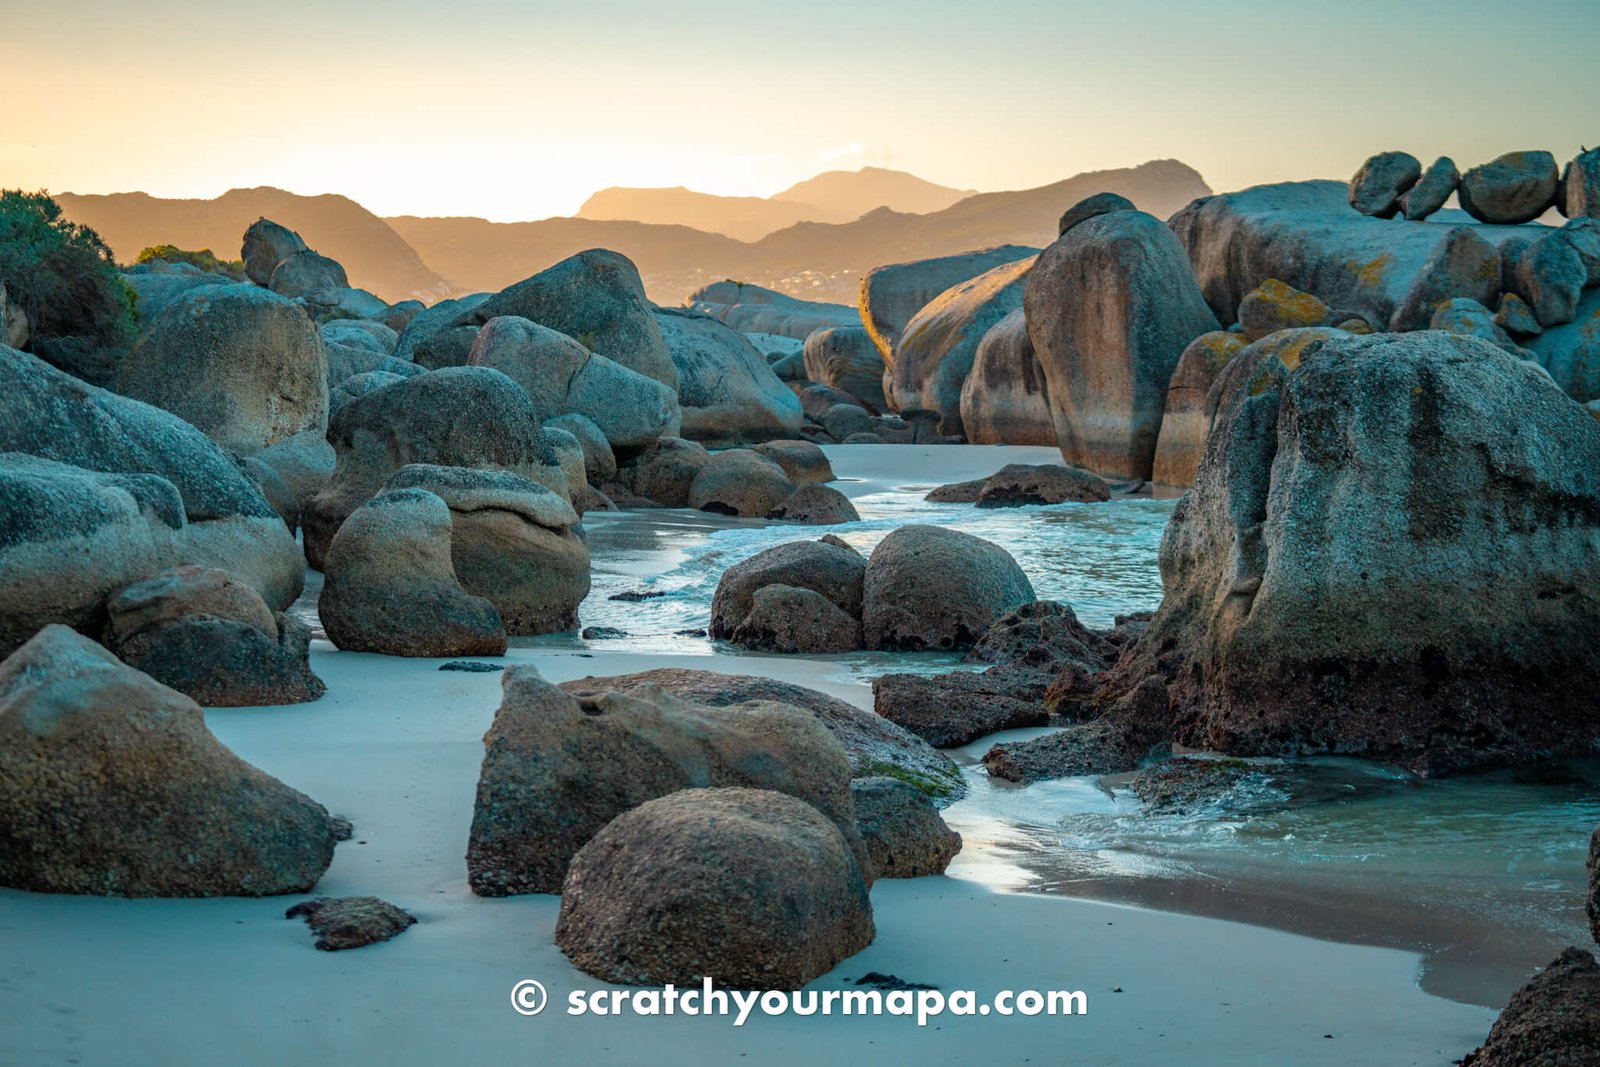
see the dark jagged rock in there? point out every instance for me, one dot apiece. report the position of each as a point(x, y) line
point(1126, 734)
point(902, 830)
point(351, 922)
point(1554, 1019)
point(1020, 484)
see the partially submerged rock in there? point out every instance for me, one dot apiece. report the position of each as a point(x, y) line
point(929, 588)
point(833, 571)
point(749, 888)
point(1020, 484)
point(1554, 1018)
point(1119, 740)
point(789, 620)
point(816, 505)
point(111, 785)
point(739, 482)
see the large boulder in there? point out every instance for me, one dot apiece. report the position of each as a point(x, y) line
point(1305, 235)
point(70, 537)
point(1005, 399)
point(1273, 306)
point(792, 621)
point(1378, 186)
point(1431, 190)
point(599, 460)
point(206, 634)
point(927, 588)
point(1110, 308)
point(455, 417)
point(111, 785)
point(513, 542)
point(875, 745)
point(1579, 195)
point(728, 393)
point(1554, 1018)
point(829, 569)
point(664, 472)
point(1091, 206)
point(1571, 351)
point(1376, 561)
point(242, 364)
point(1513, 188)
point(1464, 265)
point(1187, 418)
point(596, 298)
point(1019, 485)
point(389, 585)
point(739, 482)
point(307, 272)
point(892, 295)
point(426, 324)
point(747, 888)
point(846, 358)
point(937, 347)
point(558, 767)
point(266, 244)
point(903, 832)
point(1551, 275)
point(157, 285)
point(816, 505)
point(802, 461)
point(562, 377)
point(753, 309)
point(226, 521)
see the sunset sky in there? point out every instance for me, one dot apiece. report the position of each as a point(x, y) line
point(519, 110)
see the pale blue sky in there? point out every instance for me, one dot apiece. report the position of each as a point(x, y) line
point(520, 110)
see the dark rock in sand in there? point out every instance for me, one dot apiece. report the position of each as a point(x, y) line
point(789, 620)
point(351, 922)
point(958, 492)
point(211, 637)
point(927, 588)
point(1043, 634)
point(846, 420)
point(1554, 1019)
point(954, 709)
point(111, 785)
point(1513, 188)
point(816, 505)
point(1020, 484)
point(472, 666)
point(390, 587)
point(903, 832)
point(833, 571)
point(1119, 740)
point(874, 745)
point(748, 888)
point(558, 767)
point(816, 400)
point(1378, 186)
point(1375, 561)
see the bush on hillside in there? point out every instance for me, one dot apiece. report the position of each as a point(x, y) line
point(61, 273)
point(204, 259)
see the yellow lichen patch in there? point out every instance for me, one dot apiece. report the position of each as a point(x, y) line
point(1359, 326)
point(1372, 271)
point(1289, 345)
point(1220, 346)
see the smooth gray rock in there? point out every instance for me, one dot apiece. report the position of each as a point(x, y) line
point(728, 392)
point(1514, 188)
point(753, 309)
point(158, 284)
point(739, 482)
point(599, 461)
point(1571, 352)
point(1431, 190)
point(846, 358)
point(927, 588)
point(1382, 180)
point(1550, 276)
point(892, 295)
point(306, 271)
point(1110, 308)
point(266, 244)
point(1090, 206)
point(1005, 399)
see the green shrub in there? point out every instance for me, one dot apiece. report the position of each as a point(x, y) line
point(61, 273)
point(204, 259)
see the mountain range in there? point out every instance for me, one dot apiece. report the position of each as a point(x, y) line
point(820, 258)
point(835, 196)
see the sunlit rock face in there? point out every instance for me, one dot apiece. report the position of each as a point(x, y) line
point(1378, 559)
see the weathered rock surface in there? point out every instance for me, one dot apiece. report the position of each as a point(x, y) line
point(954, 709)
point(599, 461)
point(1129, 731)
point(1378, 186)
point(1513, 188)
point(937, 347)
point(243, 365)
point(557, 768)
point(1110, 308)
point(351, 922)
point(211, 637)
point(1431, 190)
point(1375, 561)
point(802, 461)
point(1091, 206)
point(159, 284)
point(903, 832)
point(512, 541)
point(1579, 195)
point(306, 272)
point(753, 309)
point(1553, 1019)
point(226, 522)
point(833, 571)
point(1005, 399)
point(728, 393)
point(596, 298)
point(1273, 306)
point(789, 620)
point(1551, 275)
point(1468, 318)
point(892, 295)
point(111, 785)
point(389, 585)
point(1464, 265)
point(749, 888)
point(266, 244)
point(1571, 351)
point(1187, 418)
point(846, 358)
point(927, 588)
point(1020, 484)
point(664, 472)
point(739, 482)
point(875, 746)
point(455, 417)
point(816, 505)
